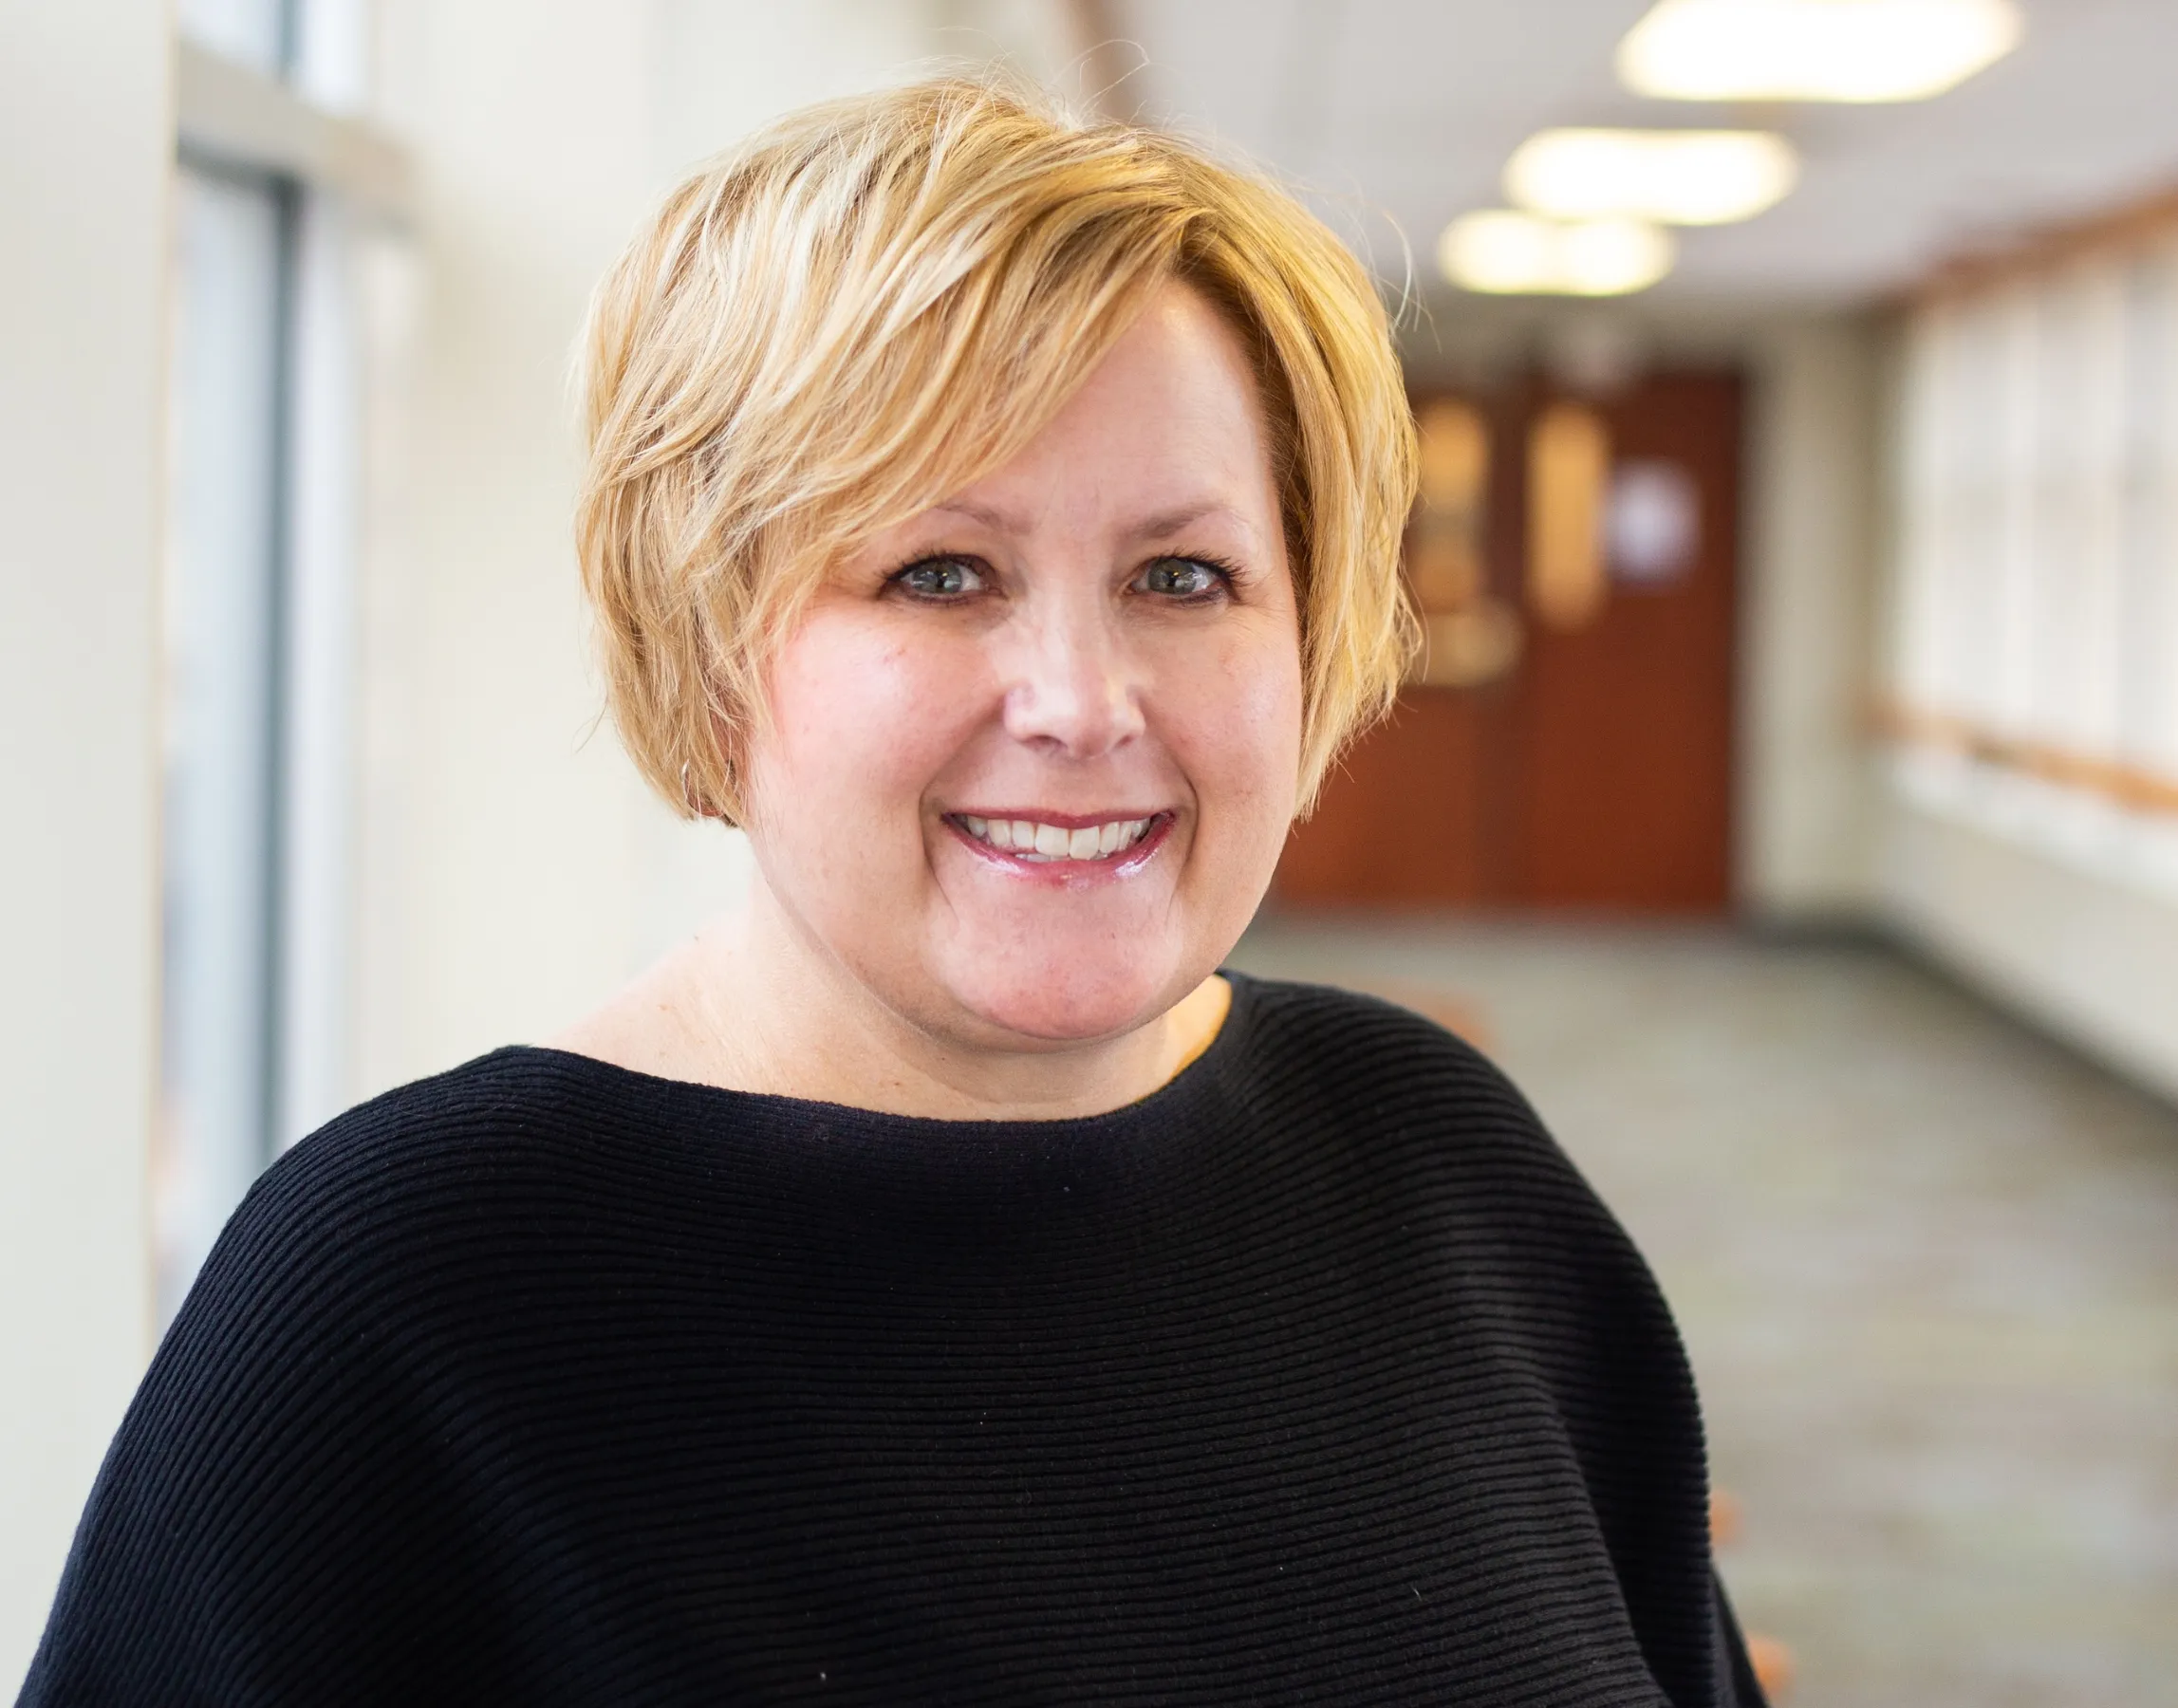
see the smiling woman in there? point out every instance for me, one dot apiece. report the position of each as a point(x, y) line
point(1093, 648)
point(940, 1282)
point(1058, 484)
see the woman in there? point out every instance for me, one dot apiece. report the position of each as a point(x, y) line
point(941, 1283)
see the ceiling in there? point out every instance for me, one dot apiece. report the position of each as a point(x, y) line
point(1397, 115)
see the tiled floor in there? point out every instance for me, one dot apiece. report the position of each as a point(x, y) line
point(1928, 1268)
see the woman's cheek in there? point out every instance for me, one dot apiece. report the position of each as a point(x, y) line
point(862, 701)
point(1240, 717)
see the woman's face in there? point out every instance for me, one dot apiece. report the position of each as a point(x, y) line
point(1033, 753)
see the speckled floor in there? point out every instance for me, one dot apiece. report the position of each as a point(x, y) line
point(1927, 1265)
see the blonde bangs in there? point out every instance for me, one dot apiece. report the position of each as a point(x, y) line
point(879, 301)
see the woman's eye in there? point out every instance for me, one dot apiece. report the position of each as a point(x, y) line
point(1180, 578)
point(940, 578)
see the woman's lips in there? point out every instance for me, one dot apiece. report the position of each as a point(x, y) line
point(1071, 841)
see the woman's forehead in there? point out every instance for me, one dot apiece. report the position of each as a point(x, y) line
point(1167, 431)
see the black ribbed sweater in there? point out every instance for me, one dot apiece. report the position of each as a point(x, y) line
point(1316, 1377)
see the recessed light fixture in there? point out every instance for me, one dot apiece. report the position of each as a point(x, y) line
point(1510, 254)
point(1678, 176)
point(1815, 50)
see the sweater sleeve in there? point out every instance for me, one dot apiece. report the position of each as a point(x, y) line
point(265, 1528)
point(1736, 1684)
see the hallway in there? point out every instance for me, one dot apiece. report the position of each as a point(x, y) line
point(1924, 1263)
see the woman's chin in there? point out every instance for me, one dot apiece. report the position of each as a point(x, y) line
point(1063, 1005)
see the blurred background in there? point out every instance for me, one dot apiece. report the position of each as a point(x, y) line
point(1788, 796)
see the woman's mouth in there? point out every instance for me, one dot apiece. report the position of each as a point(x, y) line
point(1037, 842)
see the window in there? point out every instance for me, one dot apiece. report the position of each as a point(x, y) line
point(263, 467)
point(2034, 673)
point(222, 623)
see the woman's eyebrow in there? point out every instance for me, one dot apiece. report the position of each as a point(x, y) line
point(1166, 523)
point(997, 520)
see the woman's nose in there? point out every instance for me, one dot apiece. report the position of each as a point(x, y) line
point(1072, 687)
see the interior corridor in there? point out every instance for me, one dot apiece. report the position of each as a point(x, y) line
point(1796, 548)
point(1922, 1259)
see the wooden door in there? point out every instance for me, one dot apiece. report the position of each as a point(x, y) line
point(1568, 741)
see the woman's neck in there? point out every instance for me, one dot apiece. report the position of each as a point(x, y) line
point(753, 1004)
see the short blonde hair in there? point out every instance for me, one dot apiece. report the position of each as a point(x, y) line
point(876, 302)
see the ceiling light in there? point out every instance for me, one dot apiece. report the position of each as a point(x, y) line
point(1609, 257)
point(1815, 50)
point(1509, 254)
point(1682, 177)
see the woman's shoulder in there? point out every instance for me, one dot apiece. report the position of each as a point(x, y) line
point(521, 1133)
point(1432, 1132)
point(471, 1122)
point(1413, 1102)
point(1328, 1043)
point(289, 1434)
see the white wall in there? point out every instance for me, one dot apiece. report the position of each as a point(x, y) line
point(2090, 956)
point(86, 142)
point(498, 892)
point(1808, 802)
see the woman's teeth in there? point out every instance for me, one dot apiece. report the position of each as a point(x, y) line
point(1027, 840)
